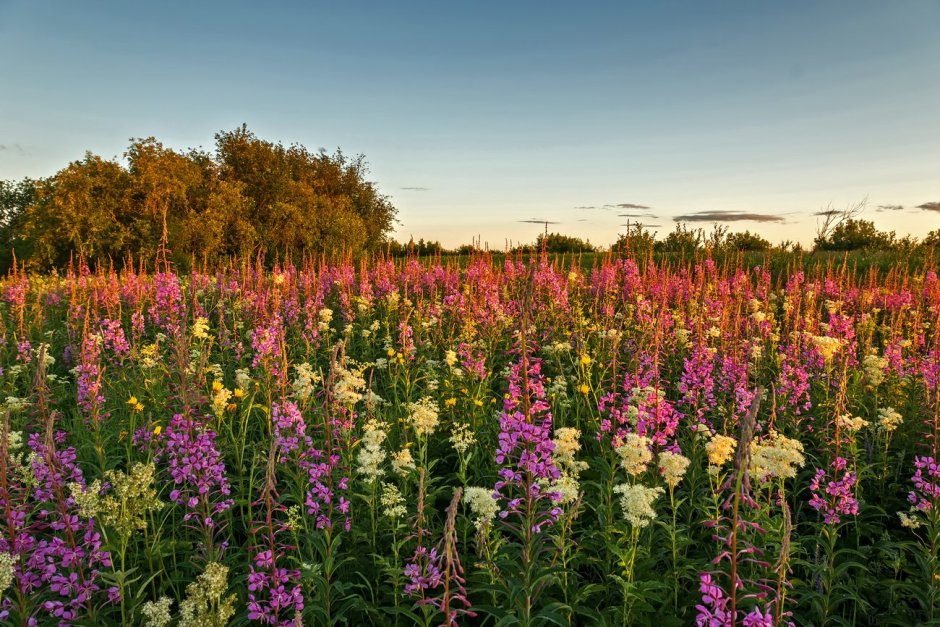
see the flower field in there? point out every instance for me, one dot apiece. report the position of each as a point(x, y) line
point(521, 441)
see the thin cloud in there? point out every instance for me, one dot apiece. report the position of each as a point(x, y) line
point(537, 221)
point(930, 206)
point(828, 213)
point(643, 225)
point(890, 207)
point(728, 216)
point(416, 189)
point(586, 207)
point(636, 215)
point(17, 148)
point(626, 205)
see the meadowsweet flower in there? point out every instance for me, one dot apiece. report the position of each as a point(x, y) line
point(7, 571)
point(776, 456)
point(826, 346)
point(720, 450)
point(325, 317)
point(851, 423)
point(15, 404)
point(221, 396)
point(450, 358)
point(462, 437)
point(348, 385)
point(403, 462)
point(372, 455)
point(634, 453)
point(909, 520)
point(636, 502)
point(242, 379)
point(424, 416)
point(157, 613)
point(889, 419)
point(304, 382)
point(483, 504)
point(204, 604)
point(200, 326)
point(874, 368)
point(673, 467)
point(393, 503)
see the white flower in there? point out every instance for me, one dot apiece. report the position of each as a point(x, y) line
point(483, 505)
point(636, 501)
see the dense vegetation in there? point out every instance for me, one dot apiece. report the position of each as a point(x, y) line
point(248, 197)
point(499, 441)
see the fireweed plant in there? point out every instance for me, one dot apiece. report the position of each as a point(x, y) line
point(504, 440)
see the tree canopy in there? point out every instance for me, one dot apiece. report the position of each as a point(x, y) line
point(249, 196)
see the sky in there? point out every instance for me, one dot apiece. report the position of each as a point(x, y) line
point(485, 119)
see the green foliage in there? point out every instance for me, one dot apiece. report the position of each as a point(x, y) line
point(854, 234)
point(251, 196)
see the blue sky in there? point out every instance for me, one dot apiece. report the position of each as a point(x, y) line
point(478, 116)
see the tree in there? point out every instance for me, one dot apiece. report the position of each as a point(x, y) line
point(249, 196)
point(746, 241)
point(853, 234)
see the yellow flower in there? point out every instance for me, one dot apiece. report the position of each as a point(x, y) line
point(216, 386)
point(584, 389)
point(478, 403)
point(239, 393)
point(132, 401)
point(450, 402)
point(585, 360)
point(391, 352)
point(157, 430)
point(139, 407)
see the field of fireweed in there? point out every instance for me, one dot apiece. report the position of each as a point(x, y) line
point(507, 442)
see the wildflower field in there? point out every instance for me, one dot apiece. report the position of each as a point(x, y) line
point(522, 441)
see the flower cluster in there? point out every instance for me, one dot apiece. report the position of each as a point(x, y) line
point(833, 494)
point(926, 484)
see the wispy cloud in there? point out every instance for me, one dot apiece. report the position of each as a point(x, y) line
point(644, 225)
point(626, 205)
point(930, 206)
point(828, 212)
point(537, 221)
point(890, 207)
point(619, 205)
point(636, 215)
point(17, 148)
point(728, 216)
point(416, 189)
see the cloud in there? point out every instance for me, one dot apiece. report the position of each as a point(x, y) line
point(626, 205)
point(636, 215)
point(643, 225)
point(537, 221)
point(17, 148)
point(728, 216)
point(828, 212)
point(586, 207)
point(416, 189)
point(890, 207)
point(930, 206)
point(581, 220)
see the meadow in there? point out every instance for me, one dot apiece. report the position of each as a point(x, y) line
point(491, 441)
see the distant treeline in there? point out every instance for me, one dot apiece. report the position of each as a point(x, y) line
point(247, 197)
point(250, 197)
point(847, 234)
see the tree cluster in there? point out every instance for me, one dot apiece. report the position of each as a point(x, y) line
point(248, 197)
